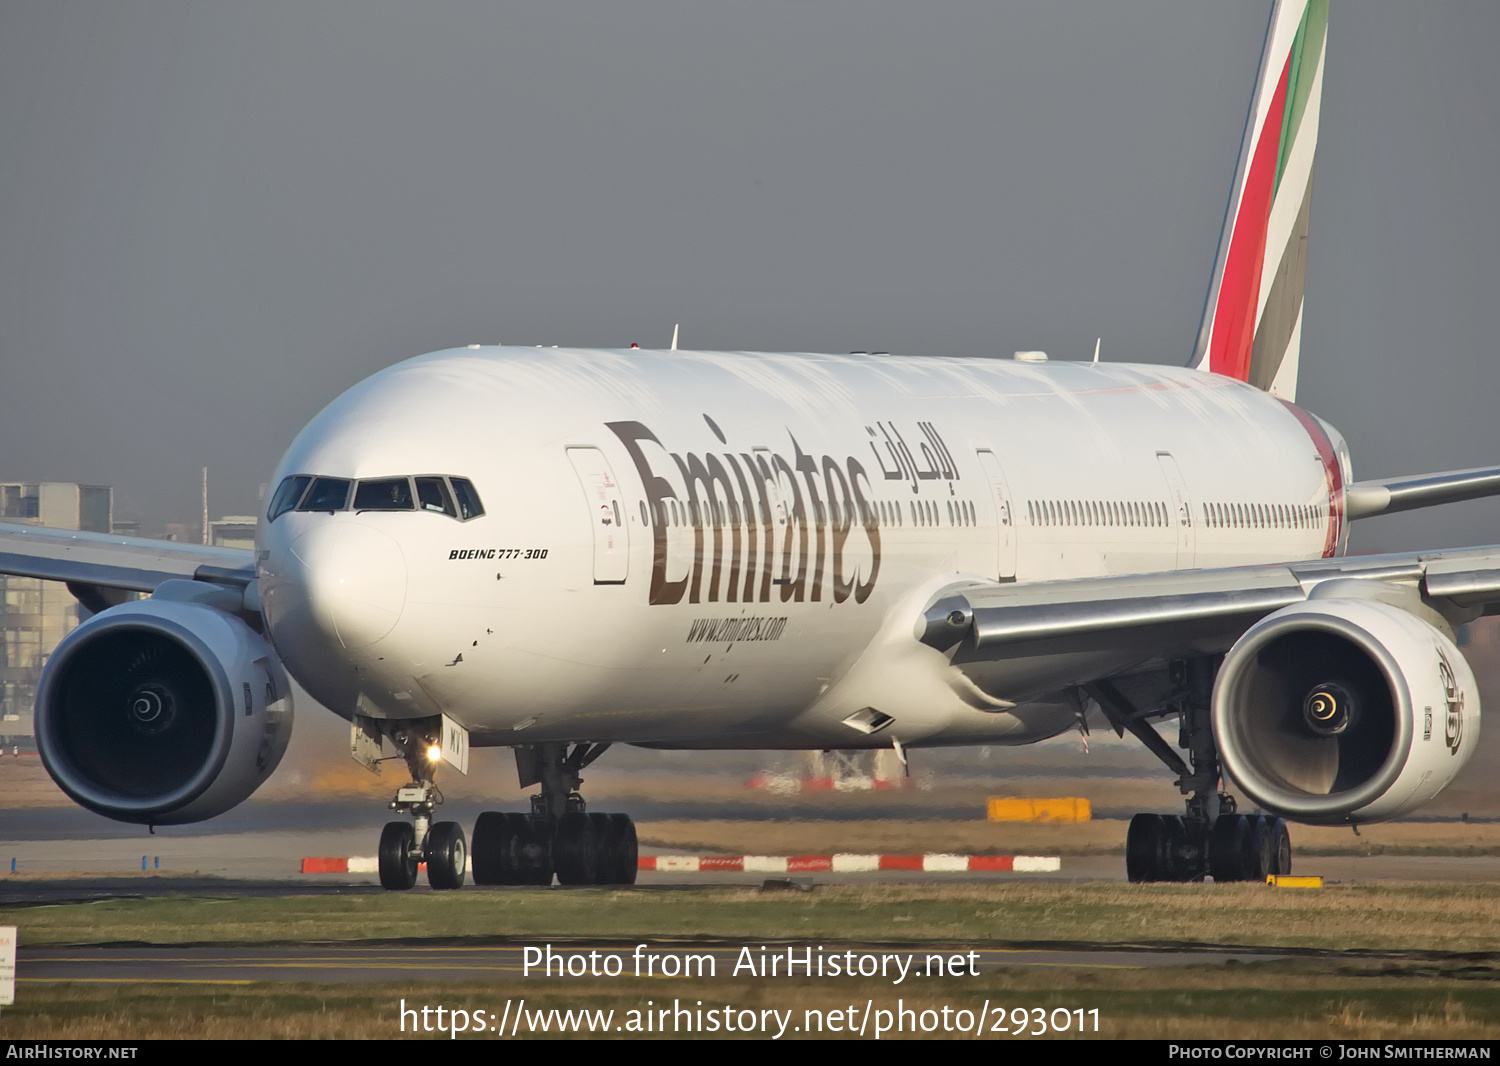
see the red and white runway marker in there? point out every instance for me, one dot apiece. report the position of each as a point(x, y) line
point(848, 864)
point(774, 864)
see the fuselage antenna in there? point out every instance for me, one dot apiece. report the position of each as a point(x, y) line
point(1096, 348)
point(675, 328)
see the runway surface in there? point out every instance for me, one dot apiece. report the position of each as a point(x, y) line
point(268, 858)
point(71, 856)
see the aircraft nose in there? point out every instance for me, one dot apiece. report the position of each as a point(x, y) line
point(354, 578)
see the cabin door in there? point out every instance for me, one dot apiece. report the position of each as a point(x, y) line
point(606, 503)
point(1181, 513)
point(1005, 521)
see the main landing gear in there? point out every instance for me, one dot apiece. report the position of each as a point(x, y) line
point(403, 845)
point(560, 836)
point(1211, 839)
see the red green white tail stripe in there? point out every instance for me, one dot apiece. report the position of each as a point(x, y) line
point(1252, 318)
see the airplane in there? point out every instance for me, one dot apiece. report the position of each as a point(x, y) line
point(557, 550)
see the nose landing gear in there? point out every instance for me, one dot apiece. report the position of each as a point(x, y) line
point(405, 845)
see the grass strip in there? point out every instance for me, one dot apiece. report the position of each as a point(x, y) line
point(1281, 1000)
point(1385, 917)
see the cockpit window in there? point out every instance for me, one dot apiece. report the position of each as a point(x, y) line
point(468, 500)
point(287, 494)
point(433, 495)
point(454, 497)
point(327, 494)
point(387, 494)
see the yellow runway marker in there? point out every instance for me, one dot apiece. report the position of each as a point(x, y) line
point(132, 981)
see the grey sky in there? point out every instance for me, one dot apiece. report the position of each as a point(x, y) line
point(214, 217)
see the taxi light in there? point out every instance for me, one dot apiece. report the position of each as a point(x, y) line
point(434, 753)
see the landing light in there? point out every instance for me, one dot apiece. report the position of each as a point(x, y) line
point(434, 753)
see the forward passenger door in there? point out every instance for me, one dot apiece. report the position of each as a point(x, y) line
point(607, 515)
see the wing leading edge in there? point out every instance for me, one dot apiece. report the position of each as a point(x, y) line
point(1182, 612)
point(97, 564)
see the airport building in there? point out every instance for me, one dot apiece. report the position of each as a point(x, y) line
point(233, 531)
point(35, 615)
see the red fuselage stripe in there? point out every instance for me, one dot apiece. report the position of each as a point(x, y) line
point(1332, 471)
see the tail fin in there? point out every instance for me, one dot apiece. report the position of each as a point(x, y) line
point(1252, 317)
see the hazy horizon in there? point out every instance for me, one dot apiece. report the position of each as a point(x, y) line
point(216, 218)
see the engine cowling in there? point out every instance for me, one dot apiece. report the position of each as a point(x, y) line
point(162, 712)
point(1339, 711)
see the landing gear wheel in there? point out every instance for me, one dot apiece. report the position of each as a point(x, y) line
point(575, 849)
point(493, 847)
point(398, 856)
point(1257, 848)
point(1174, 865)
point(627, 851)
point(1144, 843)
point(1281, 846)
point(511, 849)
point(534, 857)
point(1225, 848)
point(607, 855)
point(447, 855)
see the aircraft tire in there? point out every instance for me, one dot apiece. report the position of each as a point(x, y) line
point(575, 850)
point(1281, 846)
point(447, 855)
point(1144, 846)
point(491, 849)
point(627, 850)
point(1174, 837)
point(398, 856)
point(1225, 862)
point(608, 843)
point(534, 849)
point(1257, 848)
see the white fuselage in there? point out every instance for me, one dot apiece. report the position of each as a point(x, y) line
point(731, 549)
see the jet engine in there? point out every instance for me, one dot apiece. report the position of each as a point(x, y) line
point(162, 712)
point(1338, 711)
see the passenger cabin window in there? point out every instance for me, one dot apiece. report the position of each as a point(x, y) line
point(287, 494)
point(388, 494)
point(326, 494)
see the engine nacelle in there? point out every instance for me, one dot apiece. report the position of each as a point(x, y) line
point(162, 712)
point(1339, 711)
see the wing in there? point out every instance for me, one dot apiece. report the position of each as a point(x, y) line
point(1128, 620)
point(1333, 686)
point(100, 568)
